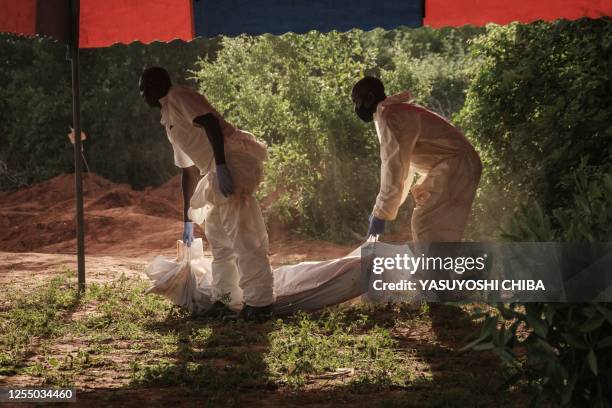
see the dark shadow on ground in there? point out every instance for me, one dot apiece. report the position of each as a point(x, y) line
point(223, 364)
point(465, 372)
point(215, 358)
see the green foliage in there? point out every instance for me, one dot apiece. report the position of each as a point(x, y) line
point(586, 218)
point(331, 342)
point(539, 100)
point(35, 105)
point(38, 316)
point(569, 346)
point(539, 110)
point(125, 140)
point(568, 351)
point(433, 64)
point(293, 91)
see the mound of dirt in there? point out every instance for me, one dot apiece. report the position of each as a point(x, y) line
point(119, 221)
point(41, 218)
point(163, 201)
point(171, 189)
point(115, 198)
point(158, 207)
point(57, 189)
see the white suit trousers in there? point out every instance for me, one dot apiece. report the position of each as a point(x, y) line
point(239, 243)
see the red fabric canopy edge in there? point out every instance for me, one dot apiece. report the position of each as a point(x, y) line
point(457, 13)
point(124, 21)
point(18, 16)
point(104, 23)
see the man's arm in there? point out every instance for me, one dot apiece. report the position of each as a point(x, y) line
point(189, 181)
point(213, 131)
point(399, 131)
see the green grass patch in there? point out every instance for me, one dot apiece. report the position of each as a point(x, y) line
point(336, 342)
point(115, 335)
point(33, 317)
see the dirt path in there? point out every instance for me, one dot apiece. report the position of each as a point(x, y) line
point(27, 266)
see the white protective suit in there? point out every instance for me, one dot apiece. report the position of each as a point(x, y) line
point(416, 140)
point(233, 225)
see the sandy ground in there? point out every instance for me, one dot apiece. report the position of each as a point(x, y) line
point(23, 268)
point(121, 224)
point(125, 230)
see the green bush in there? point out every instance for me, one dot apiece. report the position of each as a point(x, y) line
point(539, 109)
point(569, 346)
point(293, 92)
point(36, 109)
point(125, 141)
point(539, 100)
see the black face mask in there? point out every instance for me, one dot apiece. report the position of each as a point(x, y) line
point(365, 113)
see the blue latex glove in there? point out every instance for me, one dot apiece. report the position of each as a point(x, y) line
point(188, 233)
point(377, 226)
point(224, 179)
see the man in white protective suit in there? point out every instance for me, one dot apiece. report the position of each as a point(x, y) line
point(416, 140)
point(231, 162)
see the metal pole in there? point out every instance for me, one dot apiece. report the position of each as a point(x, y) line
point(76, 117)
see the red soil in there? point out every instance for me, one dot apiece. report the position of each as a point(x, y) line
point(118, 221)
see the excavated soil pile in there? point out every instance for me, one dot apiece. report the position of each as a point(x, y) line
point(41, 218)
point(119, 221)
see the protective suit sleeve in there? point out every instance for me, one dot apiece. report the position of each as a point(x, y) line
point(187, 104)
point(180, 158)
point(398, 132)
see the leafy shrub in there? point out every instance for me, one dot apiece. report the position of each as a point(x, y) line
point(293, 91)
point(539, 110)
point(125, 140)
point(35, 106)
point(569, 346)
point(539, 100)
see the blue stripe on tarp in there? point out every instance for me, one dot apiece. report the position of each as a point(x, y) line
point(235, 17)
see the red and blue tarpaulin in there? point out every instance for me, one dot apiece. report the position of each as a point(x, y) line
point(103, 23)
